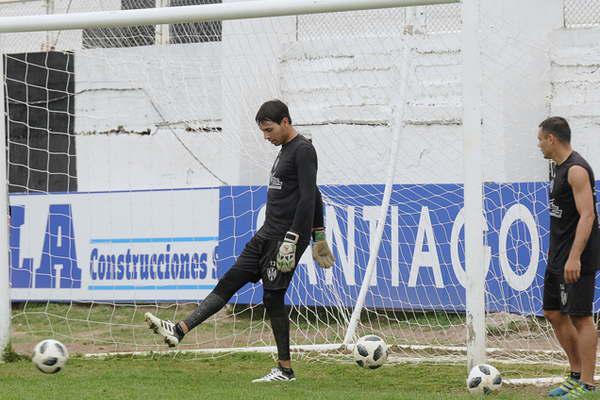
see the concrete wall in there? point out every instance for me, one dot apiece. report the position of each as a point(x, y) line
point(134, 108)
point(198, 101)
point(575, 90)
point(342, 92)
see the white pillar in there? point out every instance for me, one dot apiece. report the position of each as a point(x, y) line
point(506, 83)
point(4, 265)
point(50, 35)
point(473, 193)
point(162, 31)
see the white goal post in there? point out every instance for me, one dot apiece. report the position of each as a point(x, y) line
point(473, 186)
point(270, 8)
point(377, 217)
point(5, 305)
point(209, 12)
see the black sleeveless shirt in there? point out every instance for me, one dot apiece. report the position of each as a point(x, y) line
point(564, 218)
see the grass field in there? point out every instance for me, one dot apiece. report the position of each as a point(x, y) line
point(101, 328)
point(97, 327)
point(229, 377)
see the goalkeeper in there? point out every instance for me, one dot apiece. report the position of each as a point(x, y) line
point(294, 214)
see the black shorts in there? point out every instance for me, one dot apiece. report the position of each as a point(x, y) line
point(259, 257)
point(572, 299)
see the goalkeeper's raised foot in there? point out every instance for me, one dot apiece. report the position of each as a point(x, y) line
point(163, 328)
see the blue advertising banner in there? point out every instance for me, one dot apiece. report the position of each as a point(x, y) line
point(155, 245)
point(165, 245)
point(421, 258)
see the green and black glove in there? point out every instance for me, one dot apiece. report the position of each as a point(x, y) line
point(286, 257)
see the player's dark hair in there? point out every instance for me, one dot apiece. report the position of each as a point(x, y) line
point(557, 126)
point(274, 111)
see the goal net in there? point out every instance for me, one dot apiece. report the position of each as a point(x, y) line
point(137, 174)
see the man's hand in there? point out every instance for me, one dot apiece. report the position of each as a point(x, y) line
point(320, 249)
point(572, 270)
point(286, 257)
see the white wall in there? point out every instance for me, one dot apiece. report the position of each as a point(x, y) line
point(123, 93)
point(515, 85)
point(575, 91)
point(340, 92)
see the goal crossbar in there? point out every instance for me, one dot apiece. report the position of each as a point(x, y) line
point(198, 13)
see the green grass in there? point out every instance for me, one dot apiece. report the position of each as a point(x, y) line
point(229, 378)
point(94, 327)
point(100, 327)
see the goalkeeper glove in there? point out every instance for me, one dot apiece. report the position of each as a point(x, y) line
point(286, 257)
point(320, 249)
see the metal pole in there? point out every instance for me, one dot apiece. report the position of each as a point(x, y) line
point(207, 12)
point(473, 186)
point(4, 221)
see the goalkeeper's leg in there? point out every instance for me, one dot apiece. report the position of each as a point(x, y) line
point(246, 269)
point(227, 286)
point(273, 301)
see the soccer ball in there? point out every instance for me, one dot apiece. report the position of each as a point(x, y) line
point(370, 352)
point(49, 356)
point(484, 378)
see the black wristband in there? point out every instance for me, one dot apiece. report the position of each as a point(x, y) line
point(291, 237)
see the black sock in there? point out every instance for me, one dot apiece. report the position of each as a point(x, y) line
point(211, 304)
point(280, 323)
point(576, 375)
point(179, 331)
point(287, 371)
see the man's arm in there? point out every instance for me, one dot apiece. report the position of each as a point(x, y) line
point(306, 169)
point(318, 218)
point(579, 180)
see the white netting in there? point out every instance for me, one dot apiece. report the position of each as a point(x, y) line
point(153, 129)
point(581, 13)
point(380, 23)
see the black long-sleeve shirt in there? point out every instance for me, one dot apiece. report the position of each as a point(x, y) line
point(292, 192)
point(318, 218)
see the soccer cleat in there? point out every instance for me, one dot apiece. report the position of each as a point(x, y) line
point(276, 375)
point(164, 328)
point(564, 388)
point(579, 391)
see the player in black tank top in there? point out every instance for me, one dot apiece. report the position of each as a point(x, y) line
point(573, 256)
point(564, 218)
